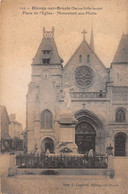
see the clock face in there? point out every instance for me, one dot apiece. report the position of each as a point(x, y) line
point(45, 75)
point(84, 76)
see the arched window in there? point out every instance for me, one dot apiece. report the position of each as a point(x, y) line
point(120, 115)
point(46, 119)
point(120, 144)
point(80, 58)
point(88, 58)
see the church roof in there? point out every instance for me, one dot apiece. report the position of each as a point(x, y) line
point(47, 51)
point(89, 47)
point(121, 55)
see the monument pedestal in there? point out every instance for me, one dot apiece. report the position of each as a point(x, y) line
point(67, 144)
point(12, 169)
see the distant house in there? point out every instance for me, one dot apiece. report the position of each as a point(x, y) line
point(15, 128)
point(16, 133)
point(5, 138)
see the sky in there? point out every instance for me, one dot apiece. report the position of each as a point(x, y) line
point(21, 35)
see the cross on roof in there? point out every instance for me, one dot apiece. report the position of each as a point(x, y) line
point(84, 32)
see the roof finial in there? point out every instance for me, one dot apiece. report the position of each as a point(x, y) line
point(84, 32)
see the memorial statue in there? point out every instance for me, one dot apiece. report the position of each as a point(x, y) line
point(90, 153)
point(109, 150)
point(47, 151)
point(67, 98)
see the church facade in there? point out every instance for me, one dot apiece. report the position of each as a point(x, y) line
point(80, 106)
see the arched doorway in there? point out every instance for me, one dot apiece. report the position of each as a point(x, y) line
point(120, 144)
point(47, 145)
point(85, 137)
point(89, 132)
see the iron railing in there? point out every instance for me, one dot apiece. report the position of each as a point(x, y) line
point(60, 161)
point(83, 95)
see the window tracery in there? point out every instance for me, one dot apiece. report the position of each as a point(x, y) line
point(46, 119)
point(120, 115)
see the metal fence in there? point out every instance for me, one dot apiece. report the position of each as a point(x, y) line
point(60, 161)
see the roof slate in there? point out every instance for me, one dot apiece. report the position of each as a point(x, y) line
point(121, 55)
point(47, 44)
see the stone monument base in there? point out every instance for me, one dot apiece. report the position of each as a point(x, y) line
point(67, 134)
point(66, 148)
point(94, 172)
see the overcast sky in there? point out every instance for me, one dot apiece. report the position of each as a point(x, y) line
point(21, 35)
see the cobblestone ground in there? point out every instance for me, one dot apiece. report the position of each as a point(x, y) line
point(57, 184)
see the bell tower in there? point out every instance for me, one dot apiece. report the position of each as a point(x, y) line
point(43, 89)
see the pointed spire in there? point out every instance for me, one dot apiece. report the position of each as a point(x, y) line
point(83, 32)
point(92, 40)
point(121, 55)
point(47, 52)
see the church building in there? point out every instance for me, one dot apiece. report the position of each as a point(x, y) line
point(80, 106)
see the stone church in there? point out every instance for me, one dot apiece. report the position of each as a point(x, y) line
point(80, 106)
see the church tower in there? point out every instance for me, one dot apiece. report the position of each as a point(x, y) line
point(80, 106)
point(119, 98)
point(43, 90)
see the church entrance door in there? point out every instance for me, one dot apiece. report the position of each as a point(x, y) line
point(85, 137)
point(47, 145)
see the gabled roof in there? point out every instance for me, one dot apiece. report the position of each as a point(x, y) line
point(2, 109)
point(47, 44)
point(82, 43)
point(121, 55)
